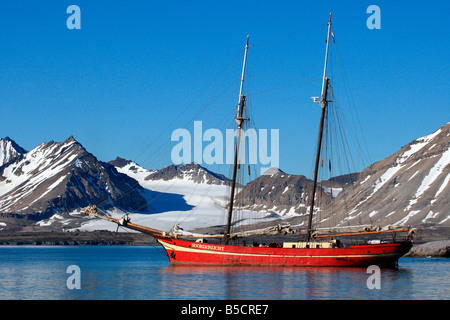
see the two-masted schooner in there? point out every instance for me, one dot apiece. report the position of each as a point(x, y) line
point(312, 251)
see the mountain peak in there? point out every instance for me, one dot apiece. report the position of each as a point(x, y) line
point(13, 144)
point(189, 172)
point(271, 171)
point(71, 139)
point(119, 162)
point(9, 150)
point(410, 187)
point(62, 177)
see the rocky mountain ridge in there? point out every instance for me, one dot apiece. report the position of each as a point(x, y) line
point(62, 177)
point(288, 194)
point(410, 187)
point(9, 151)
point(189, 172)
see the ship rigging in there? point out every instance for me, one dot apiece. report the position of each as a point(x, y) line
point(313, 250)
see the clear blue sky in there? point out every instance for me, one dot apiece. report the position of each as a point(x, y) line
point(137, 70)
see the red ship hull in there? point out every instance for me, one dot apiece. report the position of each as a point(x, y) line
point(182, 252)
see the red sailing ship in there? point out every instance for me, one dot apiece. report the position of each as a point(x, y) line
point(333, 253)
point(312, 251)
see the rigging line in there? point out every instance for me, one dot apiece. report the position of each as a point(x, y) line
point(131, 189)
point(354, 170)
point(278, 77)
point(232, 87)
point(142, 237)
point(152, 157)
point(226, 124)
point(161, 193)
point(343, 141)
point(284, 87)
point(287, 35)
point(191, 212)
point(107, 199)
point(223, 101)
point(146, 203)
point(210, 102)
point(195, 207)
point(202, 198)
point(166, 147)
point(187, 201)
point(125, 211)
point(322, 171)
point(228, 116)
point(351, 98)
point(189, 105)
point(342, 121)
point(203, 195)
point(128, 190)
point(166, 129)
point(163, 150)
point(339, 115)
point(332, 170)
point(336, 132)
point(236, 214)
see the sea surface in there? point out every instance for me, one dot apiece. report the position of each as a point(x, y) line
point(143, 272)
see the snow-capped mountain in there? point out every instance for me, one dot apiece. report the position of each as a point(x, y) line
point(61, 177)
point(276, 191)
point(410, 187)
point(191, 172)
point(9, 151)
point(288, 195)
point(189, 195)
point(188, 172)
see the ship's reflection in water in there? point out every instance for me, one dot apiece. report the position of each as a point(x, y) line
point(143, 272)
point(274, 283)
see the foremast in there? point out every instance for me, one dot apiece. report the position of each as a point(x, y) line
point(239, 121)
point(324, 105)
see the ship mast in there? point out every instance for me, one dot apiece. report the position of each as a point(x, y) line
point(323, 104)
point(239, 121)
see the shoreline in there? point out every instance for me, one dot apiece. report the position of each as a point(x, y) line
point(74, 238)
point(424, 247)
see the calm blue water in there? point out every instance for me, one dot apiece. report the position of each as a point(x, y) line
point(143, 272)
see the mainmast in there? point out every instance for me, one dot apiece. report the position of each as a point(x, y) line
point(239, 121)
point(324, 104)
